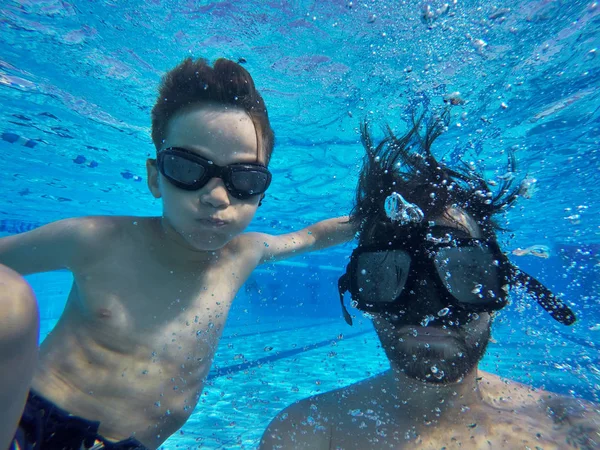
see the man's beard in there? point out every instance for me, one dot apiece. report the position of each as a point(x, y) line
point(445, 365)
point(439, 362)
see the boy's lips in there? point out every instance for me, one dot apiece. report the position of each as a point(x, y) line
point(213, 222)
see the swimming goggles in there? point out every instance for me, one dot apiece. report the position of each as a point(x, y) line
point(191, 172)
point(475, 273)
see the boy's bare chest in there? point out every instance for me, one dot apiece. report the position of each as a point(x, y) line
point(150, 300)
point(140, 329)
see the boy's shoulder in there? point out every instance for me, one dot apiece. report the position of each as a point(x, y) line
point(249, 241)
point(98, 231)
point(93, 226)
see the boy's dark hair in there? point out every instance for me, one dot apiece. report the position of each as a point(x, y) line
point(192, 82)
point(407, 166)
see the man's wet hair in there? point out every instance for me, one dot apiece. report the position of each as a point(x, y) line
point(195, 82)
point(406, 165)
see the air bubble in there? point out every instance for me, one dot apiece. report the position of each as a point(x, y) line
point(443, 312)
point(427, 320)
point(476, 289)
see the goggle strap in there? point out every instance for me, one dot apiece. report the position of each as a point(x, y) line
point(547, 300)
point(342, 288)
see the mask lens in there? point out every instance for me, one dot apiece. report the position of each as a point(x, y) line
point(182, 170)
point(381, 276)
point(248, 181)
point(470, 274)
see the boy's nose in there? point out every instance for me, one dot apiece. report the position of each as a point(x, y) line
point(215, 194)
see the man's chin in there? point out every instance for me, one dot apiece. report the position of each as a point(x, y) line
point(434, 359)
point(440, 372)
point(441, 353)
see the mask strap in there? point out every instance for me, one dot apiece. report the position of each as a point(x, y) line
point(343, 286)
point(547, 300)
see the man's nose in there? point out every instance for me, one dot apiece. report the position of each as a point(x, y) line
point(428, 292)
point(215, 194)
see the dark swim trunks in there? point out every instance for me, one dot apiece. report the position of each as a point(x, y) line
point(45, 426)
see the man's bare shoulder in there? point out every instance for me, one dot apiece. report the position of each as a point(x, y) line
point(505, 393)
point(310, 422)
point(302, 425)
point(577, 420)
point(321, 404)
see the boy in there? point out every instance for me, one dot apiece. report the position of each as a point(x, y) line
point(125, 364)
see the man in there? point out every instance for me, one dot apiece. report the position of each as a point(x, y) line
point(430, 273)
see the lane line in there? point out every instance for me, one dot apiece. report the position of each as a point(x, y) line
point(235, 368)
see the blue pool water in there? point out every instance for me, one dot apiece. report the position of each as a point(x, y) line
point(77, 82)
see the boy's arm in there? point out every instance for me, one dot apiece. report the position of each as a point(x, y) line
point(315, 237)
point(54, 246)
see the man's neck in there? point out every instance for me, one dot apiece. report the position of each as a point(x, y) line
point(431, 402)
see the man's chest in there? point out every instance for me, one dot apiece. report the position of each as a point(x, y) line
point(500, 434)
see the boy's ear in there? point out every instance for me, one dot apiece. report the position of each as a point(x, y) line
point(152, 170)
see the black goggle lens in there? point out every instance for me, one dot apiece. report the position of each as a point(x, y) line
point(191, 172)
point(471, 274)
point(183, 170)
point(381, 276)
point(250, 181)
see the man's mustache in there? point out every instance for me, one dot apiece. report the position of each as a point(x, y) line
point(449, 317)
